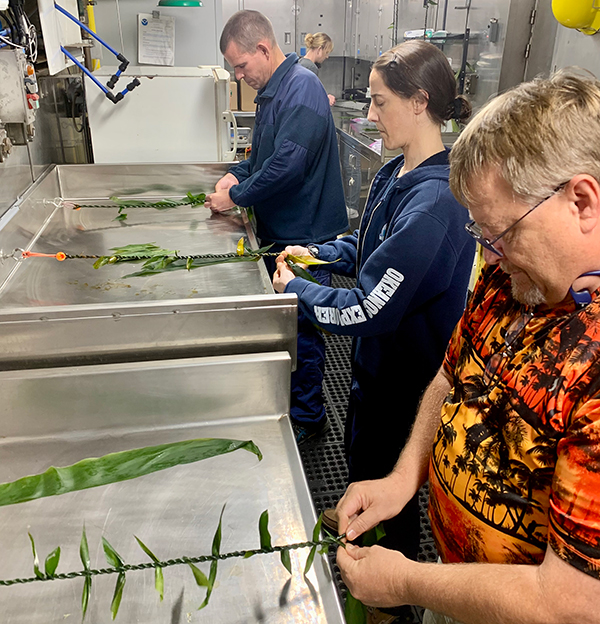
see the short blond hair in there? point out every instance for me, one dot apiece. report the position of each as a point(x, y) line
point(537, 136)
point(319, 40)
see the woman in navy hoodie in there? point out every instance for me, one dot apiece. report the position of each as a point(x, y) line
point(412, 260)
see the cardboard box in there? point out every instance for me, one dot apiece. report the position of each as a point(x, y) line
point(247, 95)
point(233, 96)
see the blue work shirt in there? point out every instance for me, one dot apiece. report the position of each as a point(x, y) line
point(293, 178)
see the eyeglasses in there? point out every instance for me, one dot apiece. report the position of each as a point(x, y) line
point(475, 230)
point(498, 360)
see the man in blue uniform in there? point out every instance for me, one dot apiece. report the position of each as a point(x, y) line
point(292, 179)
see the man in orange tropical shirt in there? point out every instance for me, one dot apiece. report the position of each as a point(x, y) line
point(508, 432)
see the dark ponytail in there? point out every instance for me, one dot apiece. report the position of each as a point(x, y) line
point(459, 109)
point(418, 65)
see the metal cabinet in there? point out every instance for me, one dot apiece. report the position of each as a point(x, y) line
point(359, 166)
point(327, 17)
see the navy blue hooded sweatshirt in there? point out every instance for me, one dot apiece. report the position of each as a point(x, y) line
point(293, 176)
point(412, 258)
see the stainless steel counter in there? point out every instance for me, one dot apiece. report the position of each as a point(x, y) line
point(55, 313)
point(59, 416)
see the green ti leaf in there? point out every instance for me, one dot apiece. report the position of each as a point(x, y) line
point(199, 576)
point(285, 559)
point(216, 549)
point(316, 535)
point(36, 563)
point(308, 260)
point(116, 467)
point(159, 579)
point(84, 553)
point(374, 535)
point(118, 595)
point(196, 200)
point(317, 530)
point(355, 611)
point(112, 556)
point(263, 529)
point(298, 271)
point(102, 260)
point(309, 560)
point(51, 562)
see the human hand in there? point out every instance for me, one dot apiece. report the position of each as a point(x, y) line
point(331, 99)
point(365, 504)
point(293, 250)
point(219, 201)
point(226, 182)
point(282, 276)
point(376, 576)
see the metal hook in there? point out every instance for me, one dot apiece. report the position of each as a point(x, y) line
point(12, 255)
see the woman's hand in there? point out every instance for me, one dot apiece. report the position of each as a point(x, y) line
point(293, 250)
point(283, 275)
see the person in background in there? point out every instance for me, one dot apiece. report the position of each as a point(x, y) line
point(318, 48)
point(509, 429)
point(292, 179)
point(412, 261)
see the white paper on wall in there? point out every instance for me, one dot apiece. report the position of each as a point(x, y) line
point(156, 40)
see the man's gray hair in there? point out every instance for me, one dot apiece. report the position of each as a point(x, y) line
point(537, 136)
point(247, 29)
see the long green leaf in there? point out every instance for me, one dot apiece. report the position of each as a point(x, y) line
point(36, 563)
point(116, 467)
point(51, 562)
point(315, 538)
point(309, 560)
point(118, 595)
point(159, 579)
point(216, 549)
point(112, 556)
point(84, 554)
point(216, 545)
point(285, 559)
point(355, 611)
point(263, 529)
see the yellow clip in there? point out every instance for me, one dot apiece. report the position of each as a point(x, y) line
point(240, 247)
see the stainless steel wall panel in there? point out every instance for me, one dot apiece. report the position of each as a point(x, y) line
point(75, 335)
point(58, 417)
point(15, 176)
point(327, 17)
point(139, 180)
point(283, 18)
point(140, 396)
point(23, 222)
point(197, 31)
point(573, 48)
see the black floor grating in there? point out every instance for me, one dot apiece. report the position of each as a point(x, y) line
point(324, 460)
